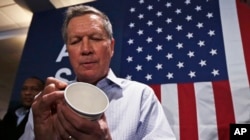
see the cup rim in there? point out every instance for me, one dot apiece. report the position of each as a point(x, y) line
point(78, 110)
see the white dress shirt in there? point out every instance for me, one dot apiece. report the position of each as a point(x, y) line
point(134, 112)
point(21, 113)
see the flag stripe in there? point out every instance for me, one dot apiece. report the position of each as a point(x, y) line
point(224, 108)
point(236, 63)
point(170, 105)
point(244, 21)
point(157, 90)
point(187, 112)
point(205, 107)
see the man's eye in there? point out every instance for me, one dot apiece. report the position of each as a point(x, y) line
point(35, 89)
point(96, 38)
point(74, 41)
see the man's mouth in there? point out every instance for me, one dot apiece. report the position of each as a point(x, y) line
point(87, 64)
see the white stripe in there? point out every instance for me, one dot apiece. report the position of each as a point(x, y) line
point(206, 114)
point(235, 61)
point(169, 100)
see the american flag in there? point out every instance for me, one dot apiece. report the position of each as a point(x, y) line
point(193, 54)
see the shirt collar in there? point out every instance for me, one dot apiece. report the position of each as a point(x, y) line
point(21, 111)
point(110, 79)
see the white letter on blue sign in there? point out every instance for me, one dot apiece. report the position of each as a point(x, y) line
point(61, 71)
point(62, 54)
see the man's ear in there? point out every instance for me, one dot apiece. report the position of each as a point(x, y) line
point(112, 46)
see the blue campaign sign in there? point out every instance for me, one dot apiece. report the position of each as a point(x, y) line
point(45, 53)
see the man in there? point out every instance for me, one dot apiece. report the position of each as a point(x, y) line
point(14, 121)
point(134, 112)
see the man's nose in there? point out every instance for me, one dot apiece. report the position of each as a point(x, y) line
point(86, 46)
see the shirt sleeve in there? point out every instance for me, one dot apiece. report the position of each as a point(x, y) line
point(29, 129)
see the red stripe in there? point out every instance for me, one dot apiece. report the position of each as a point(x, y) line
point(187, 112)
point(157, 89)
point(244, 21)
point(224, 108)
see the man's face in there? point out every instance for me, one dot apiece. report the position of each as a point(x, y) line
point(30, 89)
point(89, 47)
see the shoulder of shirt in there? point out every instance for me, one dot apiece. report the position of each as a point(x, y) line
point(122, 82)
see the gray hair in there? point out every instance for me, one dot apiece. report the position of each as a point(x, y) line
point(82, 10)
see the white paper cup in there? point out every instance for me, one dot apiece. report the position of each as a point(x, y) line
point(87, 100)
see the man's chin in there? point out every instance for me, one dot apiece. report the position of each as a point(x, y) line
point(27, 106)
point(87, 78)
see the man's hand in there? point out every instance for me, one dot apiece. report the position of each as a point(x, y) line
point(70, 124)
point(44, 109)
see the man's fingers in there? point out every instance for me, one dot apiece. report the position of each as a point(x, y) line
point(52, 84)
point(49, 97)
point(59, 85)
point(48, 89)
